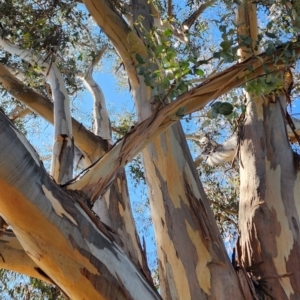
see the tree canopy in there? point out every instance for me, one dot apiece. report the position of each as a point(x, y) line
point(212, 137)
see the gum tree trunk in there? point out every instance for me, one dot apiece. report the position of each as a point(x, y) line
point(182, 218)
point(269, 242)
point(64, 239)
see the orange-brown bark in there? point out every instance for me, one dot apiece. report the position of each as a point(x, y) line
point(66, 242)
point(269, 202)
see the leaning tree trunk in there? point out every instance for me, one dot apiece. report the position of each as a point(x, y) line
point(269, 241)
point(63, 238)
point(113, 207)
point(183, 220)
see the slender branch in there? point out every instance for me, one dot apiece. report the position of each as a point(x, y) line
point(62, 156)
point(101, 120)
point(92, 146)
point(99, 55)
point(166, 24)
point(19, 112)
point(187, 24)
point(193, 137)
point(170, 10)
point(127, 43)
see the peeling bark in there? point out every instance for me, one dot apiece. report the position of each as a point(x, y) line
point(269, 206)
point(67, 245)
point(184, 223)
point(98, 177)
point(113, 207)
point(182, 218)
point(114, 210)
point(269, 244)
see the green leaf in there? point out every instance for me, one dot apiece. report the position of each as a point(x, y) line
point(269, 25)
point(183, 87)
point(205, 124)
point(26, 36)
point(159, 49)
point(80, 56)
point(217, 55)
point(222, 108)
point(180, 111)
point(139, 58)
point(141, 71)
point(226, 44)
point(222, 28)
point(171, 54)
point(271, 35)
point(225, 109)
point(199, 72)
point(40, 21)
point(168, 32)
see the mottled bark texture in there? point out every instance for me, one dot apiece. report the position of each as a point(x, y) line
point(62, 154)
point(269, 242)
point(183, 220)
point(113, 207)
point(91, 145)
point(269, 201)
point(184, 223)
point(57, 231)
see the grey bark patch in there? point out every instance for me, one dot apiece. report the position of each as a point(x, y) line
point(105, 283)
point(296, 226)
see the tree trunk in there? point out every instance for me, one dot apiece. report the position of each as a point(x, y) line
point(57, 230)
point(184, 223)
point(113, 207)
point(182, 218)
point(269, 210)
point(268, 245)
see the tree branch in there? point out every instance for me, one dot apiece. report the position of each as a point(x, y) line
point(140, 136)
point(62, 155)
point(14, 258)
point(126, 42)
point(188, 23)
point(92, 146)
point(18, 112)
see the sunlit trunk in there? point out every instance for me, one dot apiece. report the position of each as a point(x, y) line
point(58, 232)
point(182, 218)
point(269, 242)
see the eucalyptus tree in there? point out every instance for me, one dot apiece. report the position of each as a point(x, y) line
point(77, 232)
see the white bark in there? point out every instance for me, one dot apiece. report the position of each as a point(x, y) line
point(102, 125)
point(113, 207)
point(91, 145)
point(62, 159)
point(214, 154)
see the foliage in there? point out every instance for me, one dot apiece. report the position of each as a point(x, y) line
point(62, 32)
point(17, 286)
